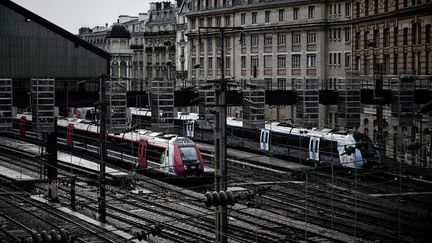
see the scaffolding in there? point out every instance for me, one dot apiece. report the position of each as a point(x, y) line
point(349, 101)
point(253, 112)
point(162, 105)
point(307, 107)
point(5, 105)
point(403, 101)
point(42, 103)
point(116, 110)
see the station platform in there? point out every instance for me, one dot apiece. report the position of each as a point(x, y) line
point(105, 227)
point(64, 159)
point(258, 159)
point(14, 176)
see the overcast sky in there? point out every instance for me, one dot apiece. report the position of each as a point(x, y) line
point(73, 14)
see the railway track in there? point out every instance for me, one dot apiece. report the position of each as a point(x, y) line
point(335, 203)
point(334, 207)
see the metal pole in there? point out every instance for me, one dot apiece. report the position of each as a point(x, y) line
point(220, 148)
point(102, 131)
point(52, 162)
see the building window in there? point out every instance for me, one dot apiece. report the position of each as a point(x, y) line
point(281, 14)
point(267, 16)
point(243, 19)
point(218, 43)
point(347, 34)
point(242, 41)
point(295, 13)
point(348, 9)
point(268, 62)
point(227, 20)
point(209, 44)
point(254, 17)
point(201, 62)
point(339, 34)
point(209, 22)
point(193, 24)
point(385, 6)
point(348, 59)
point(339, 9)
point(405, 36)
point(254, 62)
point(201, 22)
point(268, 39)
point(281, 39)
point(281, 61)
point(428, 33)
point(366, 3)
point(395, 36)
point(210, 63)
point(218, 21)
point(330, 59)
point(281, 83)
point(227, 62)
point(296, 38)
point(377, 39)
point(386, 41)
point(268, 83)
point(311, 12)
point(311, 60)
point(414, 31)
point(339, 58)
point(395, 63)
point(366, 40)
point(386, 64)
point(357, 9)
point(227, 42)
point(254, 40)
point(366, 65)
point(311, 37)
point(295, 61)
point(193, 61)
point(218, 62)
point(243, 62)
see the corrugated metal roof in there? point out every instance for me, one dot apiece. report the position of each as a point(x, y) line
point(55, 28)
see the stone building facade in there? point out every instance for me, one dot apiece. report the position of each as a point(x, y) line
point(160, 39)
point(284, 43)
point(393, 38)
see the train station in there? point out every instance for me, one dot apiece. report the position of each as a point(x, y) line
point(216, 121)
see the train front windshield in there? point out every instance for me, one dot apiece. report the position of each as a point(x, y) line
point(365, 145)
point(189, 153)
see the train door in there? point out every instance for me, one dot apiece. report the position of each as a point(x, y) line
point(142, 153)
point(69, 135)
point(265, 139)
point(314, 148)
point(190, 128)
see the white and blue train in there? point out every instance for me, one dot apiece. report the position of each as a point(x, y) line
point(326, 146)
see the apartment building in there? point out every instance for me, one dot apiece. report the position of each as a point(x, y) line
point(283, 42)
point(393, 38)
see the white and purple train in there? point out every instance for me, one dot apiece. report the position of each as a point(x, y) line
point(166, 153)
